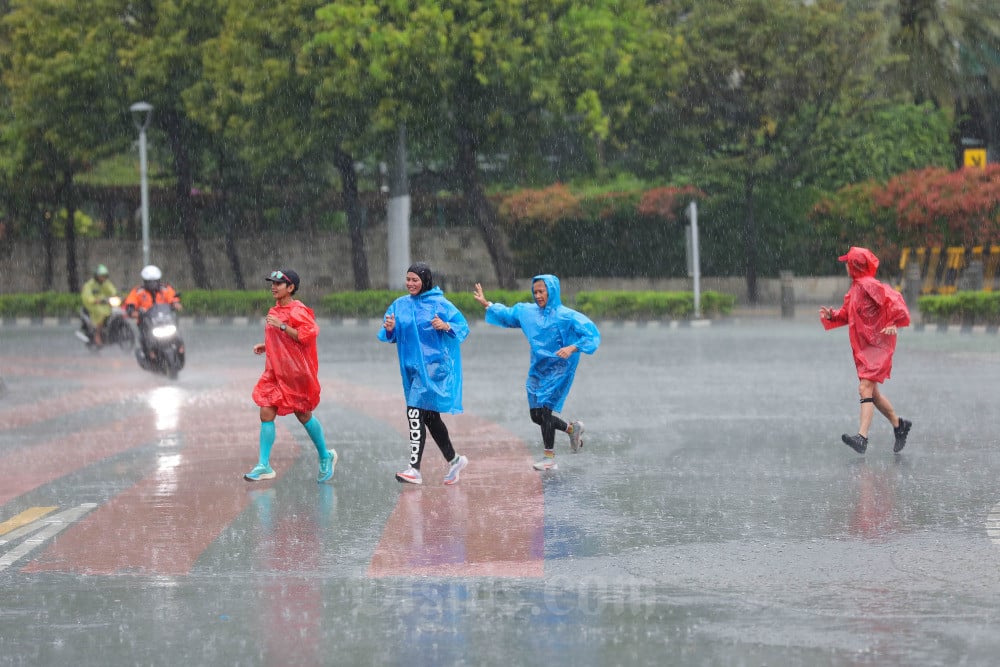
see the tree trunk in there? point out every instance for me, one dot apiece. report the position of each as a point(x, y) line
point(48, 242)
point(349, 185)
point(69, 200)
point(187, 219)
point(232, 250)
point(750, 240)
point(480, 208)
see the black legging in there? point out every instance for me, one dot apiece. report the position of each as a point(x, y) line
point(549, 423)
point(419, 422)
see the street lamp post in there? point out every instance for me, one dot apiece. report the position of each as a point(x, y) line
point(141, 113)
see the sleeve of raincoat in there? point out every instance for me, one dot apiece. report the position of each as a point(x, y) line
point(88, 295)
point(839, 317)
point(384, 334)
point(582, 332)
point(895, 306)
point(304, 323)
point(504, 316)
point(455, 319)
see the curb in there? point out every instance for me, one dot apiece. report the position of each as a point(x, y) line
point(929, 329)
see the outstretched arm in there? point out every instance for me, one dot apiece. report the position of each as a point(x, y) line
point(477, 294)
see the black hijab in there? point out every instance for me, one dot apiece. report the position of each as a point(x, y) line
point(424, 271)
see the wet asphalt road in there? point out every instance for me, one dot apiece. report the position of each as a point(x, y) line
point(713, 517)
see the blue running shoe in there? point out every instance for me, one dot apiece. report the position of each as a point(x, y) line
point(258, 473)
point(327, 465)
point(455, 469)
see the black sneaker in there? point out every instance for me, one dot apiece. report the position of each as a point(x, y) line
point(858, 443)
point(901, 432)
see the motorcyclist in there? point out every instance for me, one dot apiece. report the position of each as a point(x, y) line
point(153, 290)
point(95, 294)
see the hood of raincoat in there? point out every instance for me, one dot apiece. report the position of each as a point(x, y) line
point(861, 262)
point(552, 285)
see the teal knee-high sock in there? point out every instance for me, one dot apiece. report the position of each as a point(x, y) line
point(266, 442)
point(315, 431)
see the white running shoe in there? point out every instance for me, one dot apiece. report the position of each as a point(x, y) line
point(455, 469)
point(548, 463)
point(576, 437)
point(410, 476)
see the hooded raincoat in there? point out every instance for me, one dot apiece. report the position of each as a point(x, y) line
point(290, 381)
point(869, 307)
point(430, 361)
point(548, 330)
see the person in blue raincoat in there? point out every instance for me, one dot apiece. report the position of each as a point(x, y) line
point(428, 331)
point(557, 334)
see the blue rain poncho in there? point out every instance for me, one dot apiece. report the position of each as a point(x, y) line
point(430, 361)
point(548, 330)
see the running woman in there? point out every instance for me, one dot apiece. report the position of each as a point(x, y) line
point(427, 330)
point(557, 334)
point(290, 381)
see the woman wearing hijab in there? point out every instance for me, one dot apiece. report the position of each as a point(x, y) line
point(872, 312)
point(427, 330)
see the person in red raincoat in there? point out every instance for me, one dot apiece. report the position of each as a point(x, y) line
point(290, 381)
point(873, 312)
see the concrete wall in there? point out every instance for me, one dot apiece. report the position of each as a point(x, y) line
point(457, 255)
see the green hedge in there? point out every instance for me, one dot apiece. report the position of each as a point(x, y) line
point(227, 303)
point(42, 304)
point(961, 308)
point(651, 305)
point(372, 304)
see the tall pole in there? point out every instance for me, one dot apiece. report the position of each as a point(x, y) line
point(398, 216)
point(145, 109)
point(695, 259)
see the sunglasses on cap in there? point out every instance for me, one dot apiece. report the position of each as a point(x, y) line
point(278, 277)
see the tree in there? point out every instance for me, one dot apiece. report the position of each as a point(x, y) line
point(479, 78)
point(61, 79)
point(264, 93)
point(949, 56)
point(762, 78)
point(163, 54)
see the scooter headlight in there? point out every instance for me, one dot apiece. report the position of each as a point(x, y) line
point(114, 301)
point(165, 331)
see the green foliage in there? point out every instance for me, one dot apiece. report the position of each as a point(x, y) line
point(227, 303)
point(369, 303)
point(618, 305)
point(372, 304)
point(879, 142)
point(961, 308)
point(41, 304)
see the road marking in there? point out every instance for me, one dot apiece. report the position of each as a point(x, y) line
point(45, 530)
point(993, 524)
point(24, 518)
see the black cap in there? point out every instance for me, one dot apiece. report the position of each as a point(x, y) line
point(424, 271)
point(286, 276)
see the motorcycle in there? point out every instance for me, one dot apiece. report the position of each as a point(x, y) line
point(161, 349)
point(116, 329)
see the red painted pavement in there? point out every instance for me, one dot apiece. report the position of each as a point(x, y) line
point(489, 524)
point(166, 521)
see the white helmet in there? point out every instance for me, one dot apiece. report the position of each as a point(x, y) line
point(151, 273)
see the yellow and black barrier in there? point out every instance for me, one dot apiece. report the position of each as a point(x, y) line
point(942, 268)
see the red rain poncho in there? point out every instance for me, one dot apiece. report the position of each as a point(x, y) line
point(869, 307)
point(290, 381)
